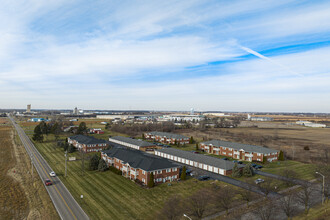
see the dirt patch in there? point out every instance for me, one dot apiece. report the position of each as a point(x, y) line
point(22, 196)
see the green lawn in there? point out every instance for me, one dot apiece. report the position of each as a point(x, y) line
point(304, 171)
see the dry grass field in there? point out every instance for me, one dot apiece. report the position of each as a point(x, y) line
point(21, 196)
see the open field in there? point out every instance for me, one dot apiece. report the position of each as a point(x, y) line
point(319, 212)
point(21, 196)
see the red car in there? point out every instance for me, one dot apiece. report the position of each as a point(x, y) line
point(48, 182)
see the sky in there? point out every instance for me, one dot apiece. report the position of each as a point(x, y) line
point(253, 55)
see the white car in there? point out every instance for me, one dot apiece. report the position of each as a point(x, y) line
point(257, 181)
point(52, 173)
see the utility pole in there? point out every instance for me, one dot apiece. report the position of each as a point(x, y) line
point(66, 156)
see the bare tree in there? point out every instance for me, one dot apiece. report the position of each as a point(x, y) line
point(289, 174)
point(266, 187)
point(286, 203)
point(304, 196)
point(198, 202)
point(224, 197)
point(247, 194)
point(172, 209)
point(265, 211)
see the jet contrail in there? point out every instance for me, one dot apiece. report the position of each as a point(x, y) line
point(268, 59)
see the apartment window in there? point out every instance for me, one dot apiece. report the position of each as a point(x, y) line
point(143, 180)
point(259, 154)
point(159, 171)
point(143, 172)
point(175, 169)
point(168, 170)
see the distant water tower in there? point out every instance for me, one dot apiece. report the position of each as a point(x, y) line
point(192, 111)
point(28, 108)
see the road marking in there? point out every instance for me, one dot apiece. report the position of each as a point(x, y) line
point(31, 150)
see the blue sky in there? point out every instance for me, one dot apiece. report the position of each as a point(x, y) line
point(166, 55)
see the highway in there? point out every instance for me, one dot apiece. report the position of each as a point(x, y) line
point(66, 206)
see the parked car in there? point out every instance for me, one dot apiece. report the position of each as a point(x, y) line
point(257, 181)
point(254, 165)
point(258, 167)
point(235, 161)
point(240, 162)
point(225, 158)
point(188, 171)
point(48, 182)
point(202, 178)
point(195, 152)
point(193, 173)
point(52, 173)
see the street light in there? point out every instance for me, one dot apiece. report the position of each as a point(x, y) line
point(187, 216)
point(322, 186)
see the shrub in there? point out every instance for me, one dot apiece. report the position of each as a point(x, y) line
point(115, 170)
point(151, 182)
point(281, 156)
point(94, 162)
point(236, 171)
point(247, 170)
point(306, 148)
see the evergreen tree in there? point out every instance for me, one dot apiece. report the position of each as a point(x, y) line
point(143, 136)
point(37, 136)
point(102, 166)
point(151, 182)
point(65, 146)
point(82, 128)
point(191, 140)
point(71, 148)
point(236, 172)
point(247, 170)
point(197, 148)
point(183, 173)
point(281, 156)
point(94, 162)
point(264, 160)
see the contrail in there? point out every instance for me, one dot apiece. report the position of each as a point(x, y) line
point(268, 59)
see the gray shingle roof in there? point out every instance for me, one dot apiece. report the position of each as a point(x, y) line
point(168, 135)
point(200, 158)
point(238, 146)
point(137, 142)
point(140, 160)
point(82, 139)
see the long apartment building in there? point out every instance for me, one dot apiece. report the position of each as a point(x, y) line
point(87, 144)
point(239, 151)
point(212, 164)
point(167, 138)
point(136, 144)
point(137, 165)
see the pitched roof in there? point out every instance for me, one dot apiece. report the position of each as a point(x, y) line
point(82, 139)
point(137, 142)
point(168, 135)
point(139, 159)
point(200, 158)
point(238, 146)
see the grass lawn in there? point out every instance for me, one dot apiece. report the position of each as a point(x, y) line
point(109, 196)
point(303, 170)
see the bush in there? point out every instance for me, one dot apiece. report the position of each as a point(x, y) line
point(281, 156)
point(151, 182)
point(115, 170)
point(306, 148)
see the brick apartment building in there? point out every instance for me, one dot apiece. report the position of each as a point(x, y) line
point(239, 151)
point(137, 144)
point(138, 165)
point(167, 138)
point(204, 162)
point(87, 144)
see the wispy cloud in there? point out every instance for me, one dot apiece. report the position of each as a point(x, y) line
point(174, 54)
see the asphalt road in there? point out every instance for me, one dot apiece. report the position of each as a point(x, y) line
point(66, 206)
